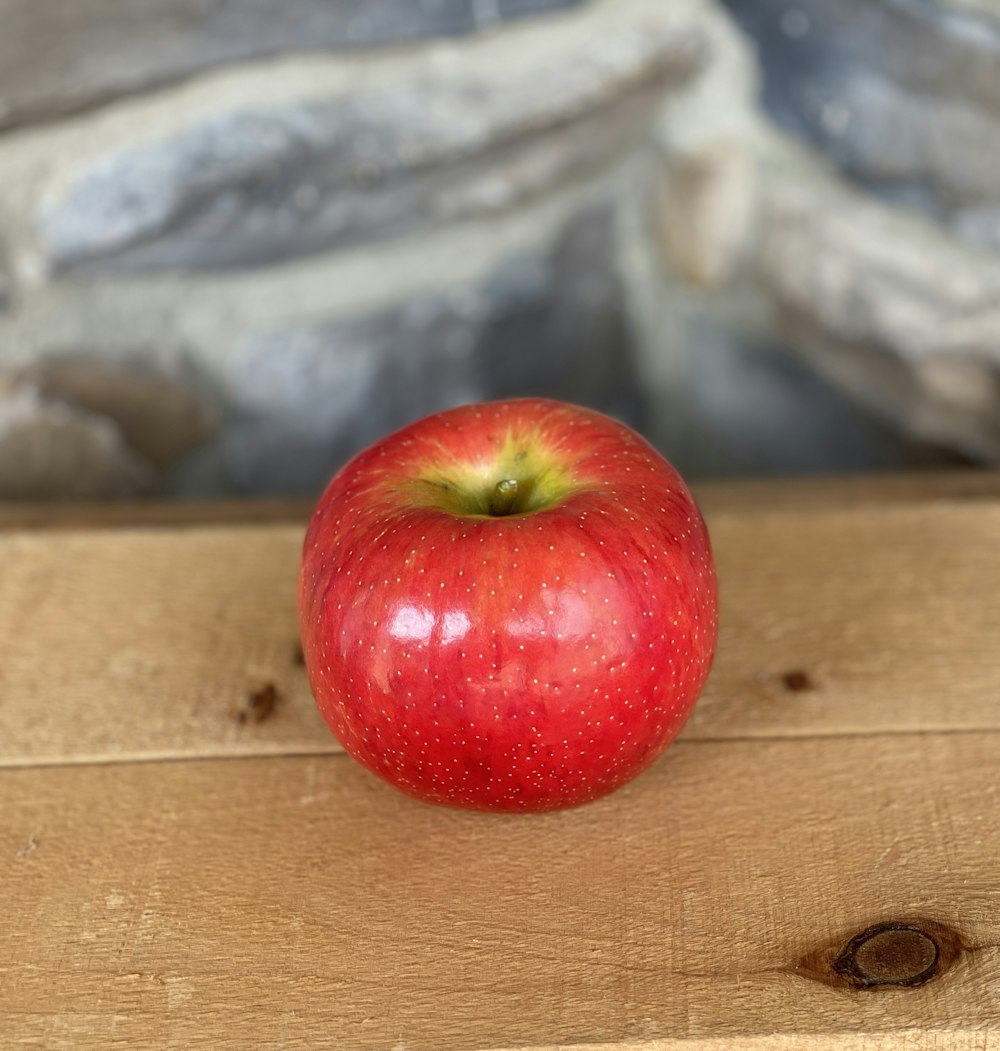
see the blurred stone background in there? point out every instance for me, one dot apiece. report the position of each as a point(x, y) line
point(240, 240)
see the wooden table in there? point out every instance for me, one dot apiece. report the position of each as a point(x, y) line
point(187, 861)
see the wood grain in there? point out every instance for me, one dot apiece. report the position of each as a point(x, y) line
point(297, 902)
point(901, 1040)
point(150, 643)
point(837, 619)
point(840, 772)
point(76, 516)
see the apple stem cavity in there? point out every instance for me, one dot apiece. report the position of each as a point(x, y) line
point(504, 498)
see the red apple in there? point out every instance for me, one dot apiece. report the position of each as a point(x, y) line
point(508, 606)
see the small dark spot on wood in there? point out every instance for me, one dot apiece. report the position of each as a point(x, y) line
point(889, 954)
point(797, 681)
point(298, 655)
point(260, 704)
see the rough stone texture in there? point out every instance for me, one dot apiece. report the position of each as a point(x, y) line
point(50, 450)
point(306, 396)
point(62, 56)
point(786, 315)
point(738, 391)
point(409, 147)
point(936, 47)
point(981, 7)
point(904, 95)
point(306, 364)
point(897, 312)
point(589, 206)
point(731, 397)
point(705, 186)
point(160, 417)
point(705, 205)
point(881, 303)
point(752, 408)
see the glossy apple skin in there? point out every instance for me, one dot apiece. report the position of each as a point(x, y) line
point(518, 663)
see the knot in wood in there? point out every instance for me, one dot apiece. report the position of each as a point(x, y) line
point(797, 681)
point(889, 954)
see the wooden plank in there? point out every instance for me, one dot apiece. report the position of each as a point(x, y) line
point(149, 643)
point(913, 1040)
point(298, 902)
point(846, 622)
point(73, 515)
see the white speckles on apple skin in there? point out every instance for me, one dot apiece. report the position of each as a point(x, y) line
point(521, 663)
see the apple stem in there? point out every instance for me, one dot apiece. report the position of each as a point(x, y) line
point(503, 498)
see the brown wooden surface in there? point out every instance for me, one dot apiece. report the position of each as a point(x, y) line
point(148, 643)
point(252, 888)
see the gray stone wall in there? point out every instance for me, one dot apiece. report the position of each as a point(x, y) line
point(260, 242)
point(238, 242)
point(66, 56)
point(876, 242)
point(904, 97)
